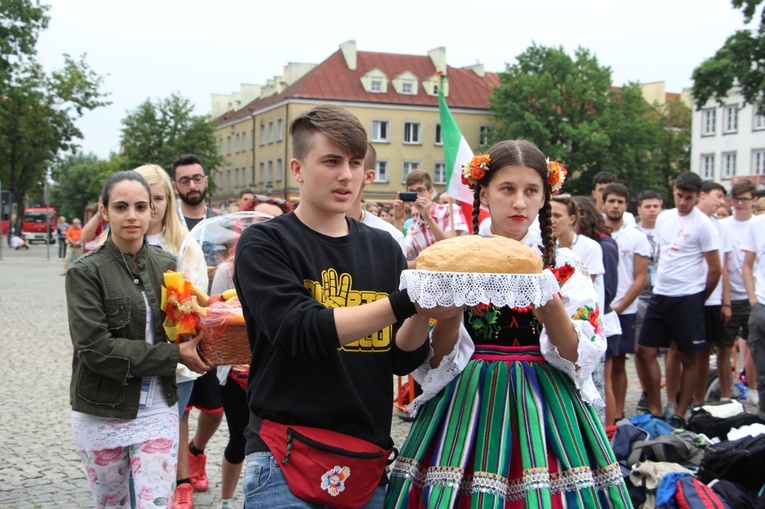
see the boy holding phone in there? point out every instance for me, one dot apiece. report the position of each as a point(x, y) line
point(432, 221)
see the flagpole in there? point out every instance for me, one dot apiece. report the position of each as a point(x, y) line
point(451, 215)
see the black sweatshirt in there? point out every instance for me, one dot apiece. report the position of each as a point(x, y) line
point(288, 277)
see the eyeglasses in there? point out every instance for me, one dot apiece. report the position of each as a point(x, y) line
point(184, 181)
point(740, 199)
point(418, 190)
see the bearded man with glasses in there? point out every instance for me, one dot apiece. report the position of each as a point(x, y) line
point(190, 182)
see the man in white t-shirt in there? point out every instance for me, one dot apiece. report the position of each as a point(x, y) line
point(754, 280)
point(634, 251)
point(675, 313)
point(715, 315)
point(649, 205)
point(369, 219)
point(737, 230)
point(600, 181)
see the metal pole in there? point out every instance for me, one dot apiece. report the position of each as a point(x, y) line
point(48, 215)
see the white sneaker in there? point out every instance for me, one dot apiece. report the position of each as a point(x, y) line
point(753, 397)
point(226, 504)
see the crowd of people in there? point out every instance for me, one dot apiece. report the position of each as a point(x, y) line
point(515, 404)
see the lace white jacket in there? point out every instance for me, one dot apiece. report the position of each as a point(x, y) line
point(580, 300)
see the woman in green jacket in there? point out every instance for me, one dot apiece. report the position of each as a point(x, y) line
point(123, 391)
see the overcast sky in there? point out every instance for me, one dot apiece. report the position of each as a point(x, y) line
point(151, 49)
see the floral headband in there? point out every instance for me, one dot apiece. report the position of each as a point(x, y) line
point(475, 169)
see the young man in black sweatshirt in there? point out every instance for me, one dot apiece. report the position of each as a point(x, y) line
point(327, 325)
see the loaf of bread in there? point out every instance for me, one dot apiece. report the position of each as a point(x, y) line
point(473, 253)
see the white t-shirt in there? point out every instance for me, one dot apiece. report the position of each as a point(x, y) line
point(683, 240)
point(16, 242)
point(381, 224)
point(736, 233)
point(715, 298)
point(755, 243)
point(631, 241)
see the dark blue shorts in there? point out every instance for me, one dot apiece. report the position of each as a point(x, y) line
point(678, 319)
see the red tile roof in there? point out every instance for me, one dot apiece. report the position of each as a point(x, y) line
point(331, 80)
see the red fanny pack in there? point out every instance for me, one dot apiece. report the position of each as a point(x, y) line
point(344, 474)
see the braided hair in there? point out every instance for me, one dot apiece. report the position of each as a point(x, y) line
point(520, 153)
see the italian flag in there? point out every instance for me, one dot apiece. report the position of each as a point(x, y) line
point(456, 153)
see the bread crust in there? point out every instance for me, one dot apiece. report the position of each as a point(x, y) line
point(474, 253)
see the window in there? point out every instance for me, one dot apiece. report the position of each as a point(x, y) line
point(279, 170)
point(708, 166)
point(228, 180)
point(730, 119)
point(270, 132)
point(380, 130)
point(408, 167)
point(261, 173)
point(728, 165)
point(406, 88)
point(758, 162)
point(439, 173)
point(270, 173)
point(381, 171)
point(279, 129)
point(375, 86)
point(759, 121)
point(262, 133)
point(220, 146)
point(439, 140)
point(243, 146)
point(228, 144)
point(236, 143)
point(412, 132)
point(708, 118)
point(483, 135)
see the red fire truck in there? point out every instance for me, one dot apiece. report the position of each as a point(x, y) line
point(36, 222)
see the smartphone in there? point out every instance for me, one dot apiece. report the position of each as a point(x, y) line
point(408, 196)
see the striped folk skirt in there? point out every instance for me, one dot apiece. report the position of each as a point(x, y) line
point(510, 431)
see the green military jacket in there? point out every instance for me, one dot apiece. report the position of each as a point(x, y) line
point(107, 323)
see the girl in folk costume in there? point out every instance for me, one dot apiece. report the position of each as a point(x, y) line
point(506, 416)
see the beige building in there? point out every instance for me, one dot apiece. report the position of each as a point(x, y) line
point(394, 96)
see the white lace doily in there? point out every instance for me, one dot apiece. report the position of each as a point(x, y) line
point(430, 289)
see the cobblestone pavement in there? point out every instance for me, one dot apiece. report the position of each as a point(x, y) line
point(39, 467)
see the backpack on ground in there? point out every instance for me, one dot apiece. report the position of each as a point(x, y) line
point(740, 461)
point(679, 447)
point(692, 494)
point(703, 422)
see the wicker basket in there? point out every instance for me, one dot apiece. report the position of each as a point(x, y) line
point(225, 344)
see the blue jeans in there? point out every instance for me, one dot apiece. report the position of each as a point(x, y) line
point(265, 486)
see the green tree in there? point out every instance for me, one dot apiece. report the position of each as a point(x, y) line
point(158, 132)
point(20, 24)
point(80, 178)
point(37, 122)
point(569, 108)
point(740, 62)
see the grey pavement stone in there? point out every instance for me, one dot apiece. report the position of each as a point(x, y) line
point(39, 466)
